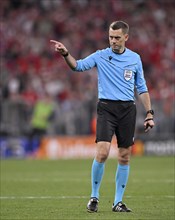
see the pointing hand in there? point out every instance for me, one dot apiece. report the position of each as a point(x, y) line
point(59, 47)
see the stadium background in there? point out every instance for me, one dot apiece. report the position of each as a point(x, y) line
point(31, 71)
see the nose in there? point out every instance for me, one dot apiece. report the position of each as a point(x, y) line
point(113, 40)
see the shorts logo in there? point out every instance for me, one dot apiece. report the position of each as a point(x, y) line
point(127, 75)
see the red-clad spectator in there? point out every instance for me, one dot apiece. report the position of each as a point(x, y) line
point(27, 26)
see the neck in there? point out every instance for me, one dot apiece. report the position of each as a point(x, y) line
point(122, 50)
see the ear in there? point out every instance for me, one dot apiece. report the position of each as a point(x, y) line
point(126, 37)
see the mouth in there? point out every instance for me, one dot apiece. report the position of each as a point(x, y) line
point(115, 46)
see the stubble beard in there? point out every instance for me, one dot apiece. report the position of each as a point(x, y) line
point(117, 49)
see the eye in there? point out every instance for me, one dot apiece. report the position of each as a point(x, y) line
point(117, 38)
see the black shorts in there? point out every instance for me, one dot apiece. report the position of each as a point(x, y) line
point(116, 117)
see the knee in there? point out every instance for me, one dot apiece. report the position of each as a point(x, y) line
point(101, 157)
point(102, 152)
point(124, 157)
point(124, 160)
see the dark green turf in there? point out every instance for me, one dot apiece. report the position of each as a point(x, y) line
point(60, 189)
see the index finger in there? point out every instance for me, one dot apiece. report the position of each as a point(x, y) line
point(54, 41)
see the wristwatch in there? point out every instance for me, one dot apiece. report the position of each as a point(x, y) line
point(150, 111)
point(65, 55)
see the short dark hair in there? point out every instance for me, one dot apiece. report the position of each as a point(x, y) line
point(120, 25)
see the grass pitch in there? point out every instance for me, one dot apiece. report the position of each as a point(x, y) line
point(60, 189)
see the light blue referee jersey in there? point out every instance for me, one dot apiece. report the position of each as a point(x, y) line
point(118, 74)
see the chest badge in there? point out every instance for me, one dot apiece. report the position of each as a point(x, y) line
point(128, 74)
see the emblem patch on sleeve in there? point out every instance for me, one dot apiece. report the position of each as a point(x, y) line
point(128, 74)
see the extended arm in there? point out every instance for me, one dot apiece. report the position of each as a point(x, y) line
point(145, 99)
point(70, 60)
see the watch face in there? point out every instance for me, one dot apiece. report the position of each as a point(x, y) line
point(151, 112)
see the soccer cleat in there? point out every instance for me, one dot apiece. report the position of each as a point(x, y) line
point(120, 207)
point(92, 205)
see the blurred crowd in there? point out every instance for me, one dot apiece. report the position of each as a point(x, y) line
point(31, 71)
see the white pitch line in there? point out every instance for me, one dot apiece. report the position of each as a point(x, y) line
point(154, 181)
point(74, 197)
point(84, 180)
point(43, 197)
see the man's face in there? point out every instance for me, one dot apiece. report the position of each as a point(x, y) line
point(117, 40)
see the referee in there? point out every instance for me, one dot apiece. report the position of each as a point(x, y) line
point(119, 73)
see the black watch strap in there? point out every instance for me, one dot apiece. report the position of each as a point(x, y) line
point(65, 55)
point(150, 111)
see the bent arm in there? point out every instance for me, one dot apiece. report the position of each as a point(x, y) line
point(145, 99)
point(70, 60)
